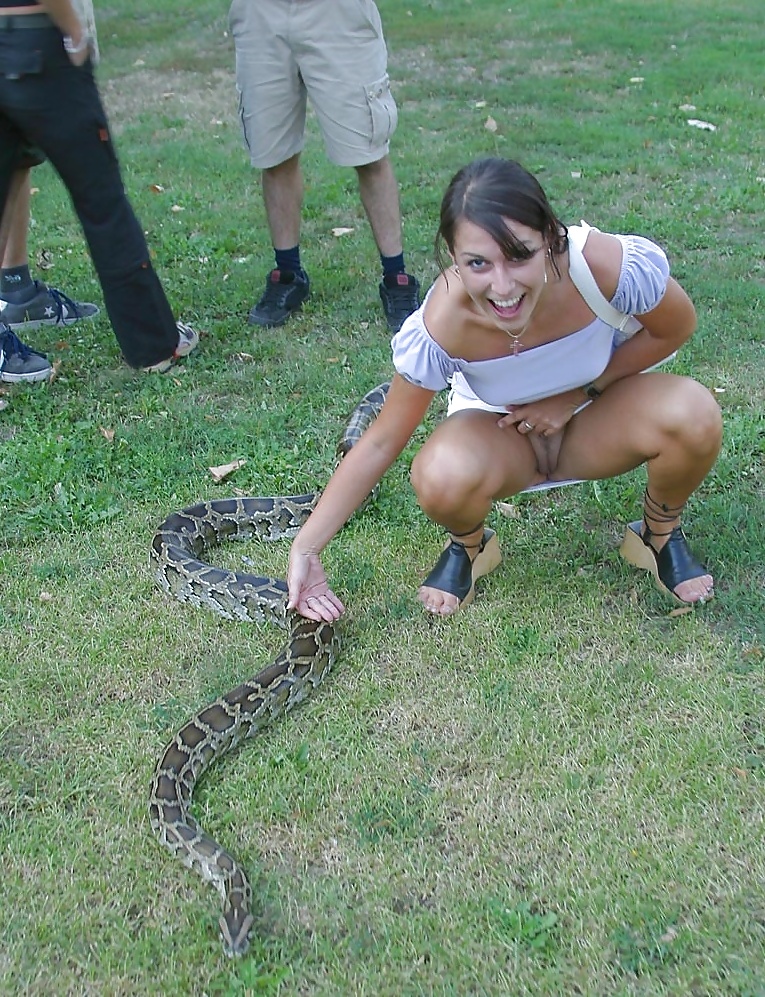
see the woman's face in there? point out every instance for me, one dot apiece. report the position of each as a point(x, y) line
point(506, 291)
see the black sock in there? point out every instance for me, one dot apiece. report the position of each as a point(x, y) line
point(392, 266)
point(288, 260)
point(16, 283)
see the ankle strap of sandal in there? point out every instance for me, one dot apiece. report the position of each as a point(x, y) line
point(455, 537)
point(659, 513)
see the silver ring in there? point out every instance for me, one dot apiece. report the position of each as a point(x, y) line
point(527, 424)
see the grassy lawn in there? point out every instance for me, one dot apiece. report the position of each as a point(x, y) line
point(559, 791)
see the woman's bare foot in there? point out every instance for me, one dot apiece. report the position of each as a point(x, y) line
point(451, 583)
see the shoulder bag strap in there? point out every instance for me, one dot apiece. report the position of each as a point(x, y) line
point(587, 286)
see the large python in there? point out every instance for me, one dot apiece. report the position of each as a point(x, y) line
point(176, 552)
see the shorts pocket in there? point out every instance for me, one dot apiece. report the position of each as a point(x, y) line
point(382, 110)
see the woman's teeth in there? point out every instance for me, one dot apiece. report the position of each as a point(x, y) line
point(508, 303)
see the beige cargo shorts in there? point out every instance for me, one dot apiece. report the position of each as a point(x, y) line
point(329, 52)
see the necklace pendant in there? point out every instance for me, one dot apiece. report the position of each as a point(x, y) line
point(515, 347)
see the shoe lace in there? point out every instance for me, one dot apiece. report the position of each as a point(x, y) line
point(401, 300)
point(62, 301)
point(10, 344)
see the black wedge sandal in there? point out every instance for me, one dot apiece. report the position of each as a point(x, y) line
point(454, 572)
point(671, 565)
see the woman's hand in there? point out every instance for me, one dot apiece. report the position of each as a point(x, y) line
point(544, 423)
point(545, 417)
point(309, 592)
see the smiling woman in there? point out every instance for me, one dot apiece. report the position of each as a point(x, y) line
point(542, 391)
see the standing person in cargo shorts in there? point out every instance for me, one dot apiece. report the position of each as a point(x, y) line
point(333, 52)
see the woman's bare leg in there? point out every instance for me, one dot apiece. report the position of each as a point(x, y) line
point(467, 463)
point(671, 424)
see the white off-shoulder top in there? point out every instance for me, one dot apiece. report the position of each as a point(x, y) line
point(540, 371)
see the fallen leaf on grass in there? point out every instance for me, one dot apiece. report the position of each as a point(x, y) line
point(221, 472)
point(490, 124)
point(45, 597)
point(680, 611)
point(176, 208)
point(156, 188)
point(341, 231)
point(754, 651)
point(108, 434)
point(54, 369)
point(509, 510)
point(704, 125)
point(44, 259)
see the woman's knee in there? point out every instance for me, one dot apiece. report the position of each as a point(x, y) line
point(441, 479)
point(694, 417)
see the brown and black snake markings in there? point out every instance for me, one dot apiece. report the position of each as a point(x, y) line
point(304, 661)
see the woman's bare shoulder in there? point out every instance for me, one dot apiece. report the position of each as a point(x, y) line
point(603, 253)
point(445, 309)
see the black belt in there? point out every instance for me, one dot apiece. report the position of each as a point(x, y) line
point(10, 22)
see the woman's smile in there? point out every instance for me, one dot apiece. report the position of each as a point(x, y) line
point(506, 290)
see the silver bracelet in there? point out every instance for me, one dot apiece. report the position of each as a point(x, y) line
point(72, 49)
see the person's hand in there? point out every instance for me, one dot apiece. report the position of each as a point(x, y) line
point(543, 423)
point(309, 592)
point(77, 47)
point(546, 417)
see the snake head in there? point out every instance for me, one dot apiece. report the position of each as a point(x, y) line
point(235, 925)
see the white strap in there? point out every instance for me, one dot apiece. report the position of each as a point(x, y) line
point(587, 286)
point(585, 283)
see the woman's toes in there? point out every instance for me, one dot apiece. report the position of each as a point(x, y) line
point(437, 602)
point(696, 589)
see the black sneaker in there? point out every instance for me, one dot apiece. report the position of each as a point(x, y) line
point(47, 306)
point(284, 294)
point(18, 362)
point(400, 294)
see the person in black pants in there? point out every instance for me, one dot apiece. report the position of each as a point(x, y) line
point(49, 99)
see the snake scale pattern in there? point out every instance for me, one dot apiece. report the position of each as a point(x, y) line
point(177, 550)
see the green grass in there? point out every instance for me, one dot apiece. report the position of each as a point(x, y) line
point(560, 791)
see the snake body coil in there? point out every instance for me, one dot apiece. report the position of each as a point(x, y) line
point(303, 662)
